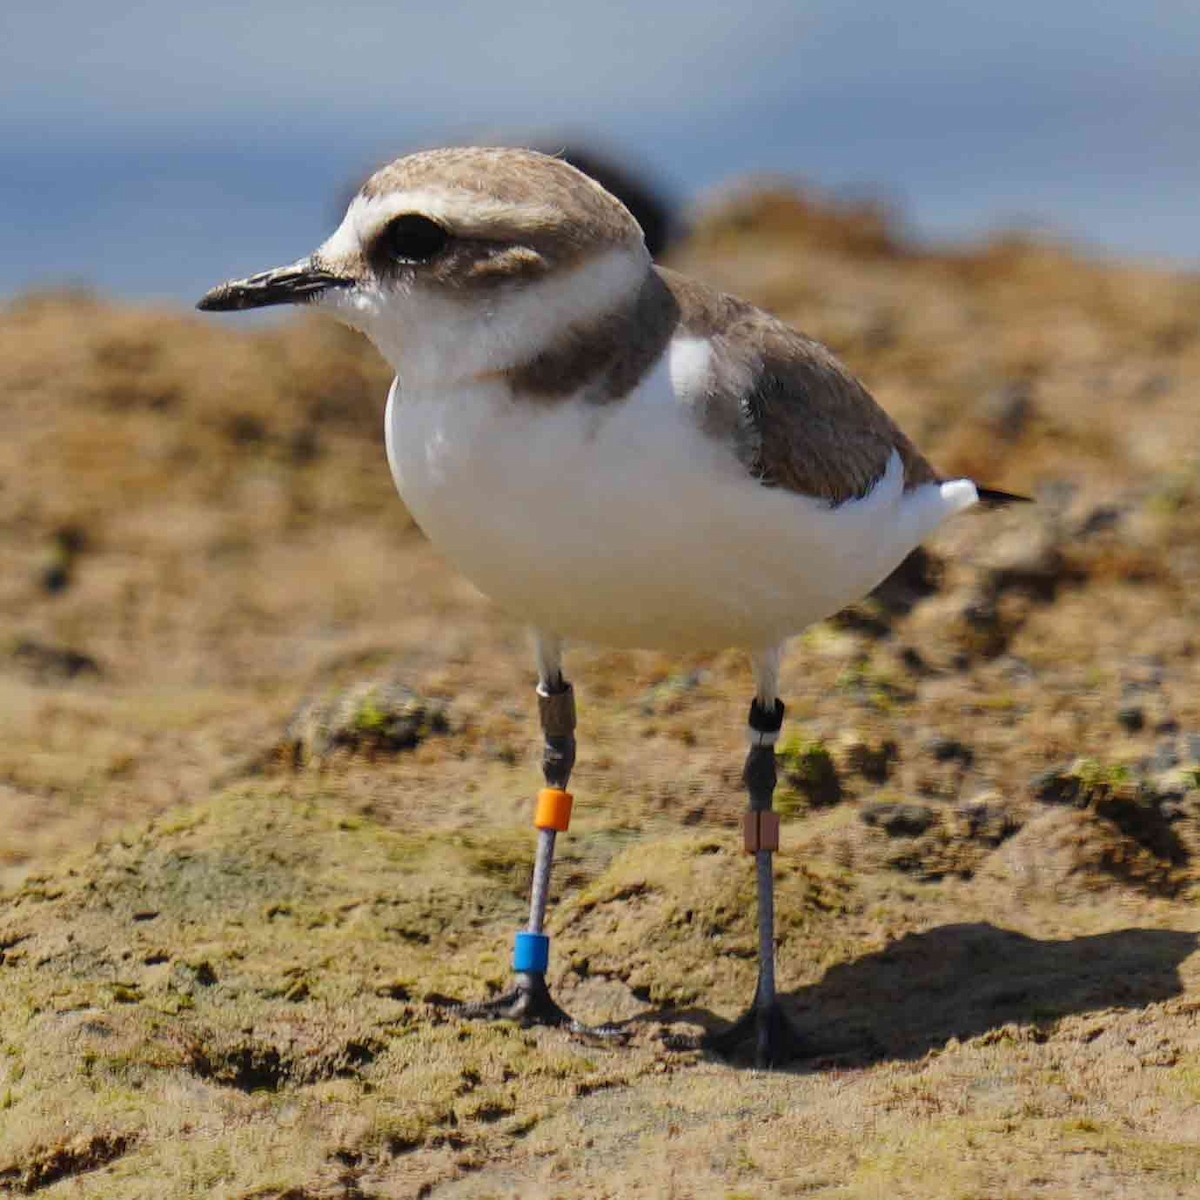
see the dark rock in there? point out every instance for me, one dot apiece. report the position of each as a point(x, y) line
point(946, 749)
point(1135, 806)
point(1132, 717)
point(866, 618)
point(375, 717)
point(966, 622)
point(68, 542)
point(250, 1067)
point(976, 623)
point(1058, 785)
point(204, 974)
point(71, 539)
point(898, 818)
point(1026, 560)
point(54, 663)
point(186, 978)
point(56, 577)
point(990, 819)
point(1101, 519)
point(304, 445)
point(246, 429)
point(1140, 816)
point(873, 762)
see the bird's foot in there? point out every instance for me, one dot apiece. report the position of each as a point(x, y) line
point(767, 1030)
point(530, 1003)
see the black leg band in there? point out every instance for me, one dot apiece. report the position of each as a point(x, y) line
point(763, 721)
point(760, 776)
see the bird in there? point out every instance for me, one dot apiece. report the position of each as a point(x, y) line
point(615, 453)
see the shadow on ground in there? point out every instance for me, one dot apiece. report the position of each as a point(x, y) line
point(961, 981)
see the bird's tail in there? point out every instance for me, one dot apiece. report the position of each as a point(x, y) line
point(994, 498)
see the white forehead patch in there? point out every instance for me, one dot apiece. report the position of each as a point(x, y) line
point(453, 207)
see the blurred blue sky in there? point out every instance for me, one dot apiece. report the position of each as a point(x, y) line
point(154, 148)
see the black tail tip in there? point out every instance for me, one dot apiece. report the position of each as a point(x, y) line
point(994, 498)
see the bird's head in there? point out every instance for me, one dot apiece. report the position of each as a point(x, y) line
point(463, 255)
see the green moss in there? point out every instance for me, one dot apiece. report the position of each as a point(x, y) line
point(370, 717)
point(1095, 777)
point(1174, 494)
point(809, 775)
point(876, 687)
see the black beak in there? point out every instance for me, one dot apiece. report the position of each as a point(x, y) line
point(293, 284)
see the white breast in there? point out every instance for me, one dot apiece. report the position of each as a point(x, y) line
point(625, 524)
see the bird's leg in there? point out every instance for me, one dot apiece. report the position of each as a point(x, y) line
point(529, 1001)
point(765, 1024)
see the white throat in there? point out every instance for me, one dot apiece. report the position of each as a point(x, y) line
point(435, 339)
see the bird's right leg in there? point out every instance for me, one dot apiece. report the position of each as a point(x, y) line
point(529, 1000)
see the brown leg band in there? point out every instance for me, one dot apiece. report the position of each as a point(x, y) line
point(760, 831)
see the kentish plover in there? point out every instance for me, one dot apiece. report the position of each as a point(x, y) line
point(614, 453)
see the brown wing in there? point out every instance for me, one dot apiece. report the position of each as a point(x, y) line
point(801, 421)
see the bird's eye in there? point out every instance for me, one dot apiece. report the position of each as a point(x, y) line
point(413, 238)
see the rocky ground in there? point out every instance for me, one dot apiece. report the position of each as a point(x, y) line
point(268, 765)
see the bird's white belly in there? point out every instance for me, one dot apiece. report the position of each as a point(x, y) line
point(625, 524)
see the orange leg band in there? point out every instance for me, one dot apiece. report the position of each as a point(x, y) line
point(553, 810)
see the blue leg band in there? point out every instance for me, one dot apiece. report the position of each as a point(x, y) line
point(531, 953)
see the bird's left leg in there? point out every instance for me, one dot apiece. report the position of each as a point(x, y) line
point(765, 1025)
point(529, 1001)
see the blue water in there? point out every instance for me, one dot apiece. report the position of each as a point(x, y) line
point(151, 153)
